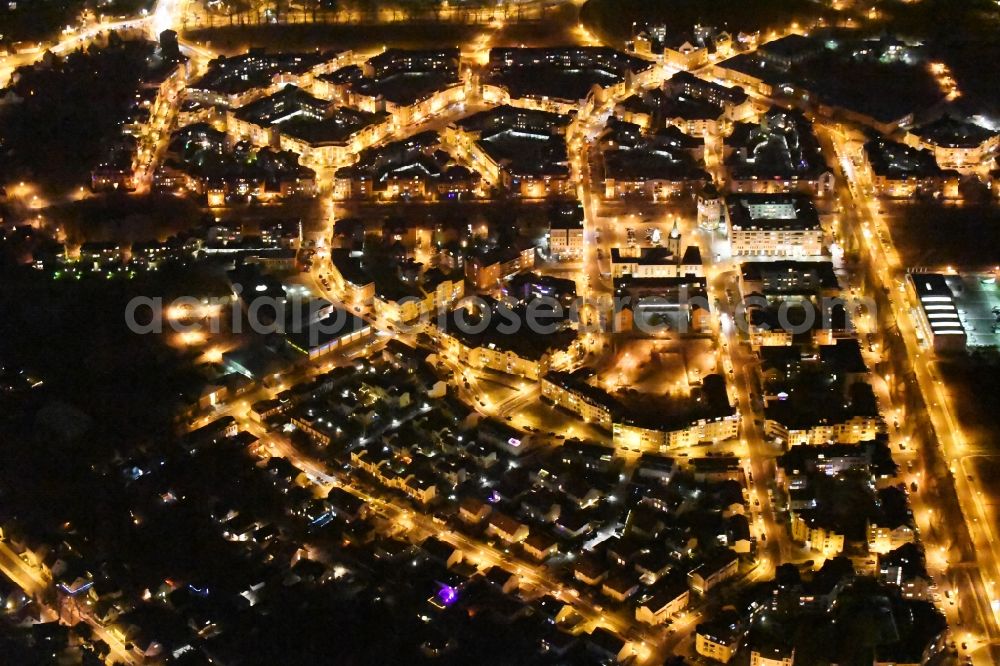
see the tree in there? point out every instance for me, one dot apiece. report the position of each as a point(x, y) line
point(422, 7)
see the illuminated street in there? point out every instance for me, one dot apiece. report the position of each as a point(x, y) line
point(536, 331)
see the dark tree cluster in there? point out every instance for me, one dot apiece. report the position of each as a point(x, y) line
point(71, 108)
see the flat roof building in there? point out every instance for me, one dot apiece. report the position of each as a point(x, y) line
point(788, 278)
point(777, 225)
point(336, 330)
point(938, 321)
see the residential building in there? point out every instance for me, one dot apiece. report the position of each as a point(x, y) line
point(956, 143)
point(408, 85)
point(779, 154)
point(234, 81)
point(778, 655)
point(788, 278)
point(899, 171)
point(660, 606)
point(893, 525)
point(562, 79)
point(571, 392)
point(506, 528)
point(486, 270)
point(814, 529)
point(520, 352)
point(655, 167)
point(710, 419)
point(686, 50)
point(566, 232)
point(773, 225)
point(520, 151)
point(720, 638)
point(713, 572)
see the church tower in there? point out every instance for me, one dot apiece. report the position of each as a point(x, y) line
point(674, 241)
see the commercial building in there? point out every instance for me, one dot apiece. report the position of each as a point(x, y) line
point(773, 225)
point(643, 263)
point(526, 287)
point(656, 305)
point(938, 321)
point(334, 331)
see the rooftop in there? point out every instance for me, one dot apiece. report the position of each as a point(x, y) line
point(291, 102)
point(254, 69)
point(788, 276)
point(563, 73)
point(496, 335)
point(950, 132)
point(896, 160)
point(781, 146)
point(336, 128)
point(766, 212)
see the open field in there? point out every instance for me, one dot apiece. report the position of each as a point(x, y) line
point(559, 29)
point(936, 236)
point(974, 384)
point(613, 19)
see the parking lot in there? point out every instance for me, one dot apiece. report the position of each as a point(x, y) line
point(977, 296)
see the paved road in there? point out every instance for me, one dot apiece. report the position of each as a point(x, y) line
point(37, 586)
point(862, 215)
